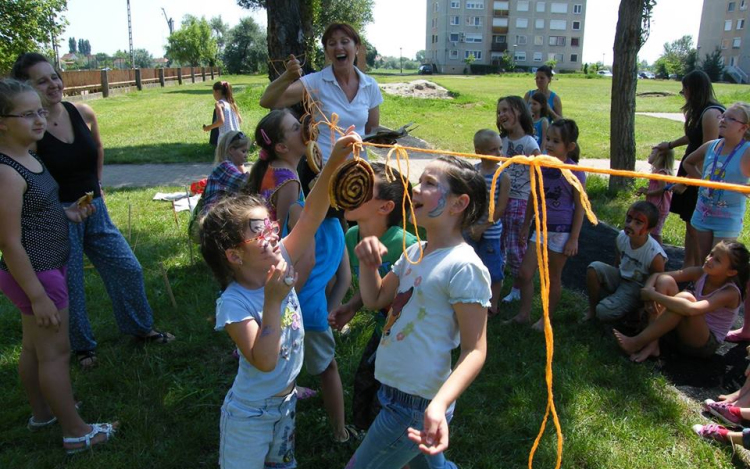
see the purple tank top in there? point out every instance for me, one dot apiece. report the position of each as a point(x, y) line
point(720, 320)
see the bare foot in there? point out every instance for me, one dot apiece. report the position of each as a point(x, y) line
point(730, 397)
point(538, 326)
point(517, 319)
point(737, 336)
point(627, 344)
point(650, 350)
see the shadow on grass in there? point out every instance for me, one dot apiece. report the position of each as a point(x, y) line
point(177, 152)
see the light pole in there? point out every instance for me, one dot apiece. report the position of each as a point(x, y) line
point(401, 59)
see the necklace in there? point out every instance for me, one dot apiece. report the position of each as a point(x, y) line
point(719, 175)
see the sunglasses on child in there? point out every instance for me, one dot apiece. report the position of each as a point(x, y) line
point(265, 229)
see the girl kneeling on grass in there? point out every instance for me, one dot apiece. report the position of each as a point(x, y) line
point(700, 318)
point(35, 246)
point(435, 305)
point(261, 313)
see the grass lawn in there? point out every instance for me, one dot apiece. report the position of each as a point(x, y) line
point(164, 125)
point(614, 414)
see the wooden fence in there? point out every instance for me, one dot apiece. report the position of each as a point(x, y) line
point(84, 82)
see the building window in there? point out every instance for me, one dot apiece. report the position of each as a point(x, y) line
point(731, 6)
point(520, 40)
point(577, 9)
point(736, 43)
point(557, 40)
point(475, 5)
point(454, 54)
point(558, 25)
point(519, 56)
point(502, 6)
point(728, 25)
point(740, 24)
point(559, 8)
point(499, 39)
point(435, 6)
point(556, 57)
point(576, 25)
point(476, 53)
point(474, 21)
point(575, 41)
point(454, 37)
point(522, 6)
point(473, 37)
point(743, 4)
point(539, 23)
point(538, 40)
point(574, 58)
point(522, 22)
point(725, 43)
point(455, 20)
point(455, 4)
point(434, 22)
point(537, 56)
point(541, 6)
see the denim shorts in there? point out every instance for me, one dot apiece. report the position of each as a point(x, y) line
point(257, 434)
point(489, 252)
point(387, 445)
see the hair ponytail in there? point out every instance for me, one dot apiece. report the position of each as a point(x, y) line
point(226, 92)
point(568, 130)
point(268, 133)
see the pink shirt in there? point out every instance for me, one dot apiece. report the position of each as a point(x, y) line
point(720, 320)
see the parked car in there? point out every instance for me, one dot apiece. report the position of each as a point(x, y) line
point(646, 75)
point(604, 73)
point(425, 69)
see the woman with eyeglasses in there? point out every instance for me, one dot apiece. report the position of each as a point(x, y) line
point(72, 151)
point(702, 111)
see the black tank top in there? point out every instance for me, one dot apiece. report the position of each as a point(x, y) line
point(73, 165)
point(44, 227)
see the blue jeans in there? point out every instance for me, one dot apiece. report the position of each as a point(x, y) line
point(257, 434)
point(120, 271)
point(387, 445)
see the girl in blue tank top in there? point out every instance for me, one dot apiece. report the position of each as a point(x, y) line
point(543, 79)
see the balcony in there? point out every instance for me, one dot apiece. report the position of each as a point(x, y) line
point(500, 13)
point(499, 47)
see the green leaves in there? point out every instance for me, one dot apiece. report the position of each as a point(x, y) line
point(28, 26)
point(193, 44)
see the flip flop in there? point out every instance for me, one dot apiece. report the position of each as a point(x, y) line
point(86, 359)
point(157, 337)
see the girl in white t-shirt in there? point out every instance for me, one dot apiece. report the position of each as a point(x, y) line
point(227, 113)
point(436, 305)
point(517, 130)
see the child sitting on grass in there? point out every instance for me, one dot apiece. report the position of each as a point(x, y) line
point(484, 236)
point(638, 256)
point(701, 315)
point(382, 217)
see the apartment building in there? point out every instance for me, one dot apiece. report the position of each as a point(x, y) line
point(532, 31)
point(723, 25)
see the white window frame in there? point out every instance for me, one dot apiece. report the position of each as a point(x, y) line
point(577, 9)
point(455, 20)
point(541, 6)
point(519, 56)
point(454, 54)
point(476, 53)
point(558, 25)
point(731, 6)
point(474, 38)
point(557, 41)
point(538, 40)
point(561, 8)
point(456, 4)
point(475, 5)
point(452, 35)
point(736, 43)
point(724, 44)
point(522, 5)
point(501, 5)
point(574, 58)
point(743, 4)
point(500, 39)
point(539, 23)
point(521, 40)
point(741, 23)
point(537, 57)
point(522, 23)
point(574, 24)
point(727, 25)
point(577, 39)
point(435, 6)
point(474, 21)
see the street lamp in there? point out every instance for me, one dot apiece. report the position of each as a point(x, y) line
point(401, 59)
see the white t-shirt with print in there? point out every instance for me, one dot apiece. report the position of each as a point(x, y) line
point(520, 180)
point(635, 263)
point(326, 91)
point(414, 354)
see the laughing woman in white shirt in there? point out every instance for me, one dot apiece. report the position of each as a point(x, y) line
point(339, 88)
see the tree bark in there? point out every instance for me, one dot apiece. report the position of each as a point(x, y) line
point(290, 31)
point(624, 83)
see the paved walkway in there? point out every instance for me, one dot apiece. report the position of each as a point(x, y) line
point(673, 116)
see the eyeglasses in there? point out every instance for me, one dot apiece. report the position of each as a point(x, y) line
point(239, 136)
point(731, 119)
point(31, 115)
point(268, 230)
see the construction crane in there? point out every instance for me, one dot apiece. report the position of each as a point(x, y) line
point(130, 36)
point(170, 21)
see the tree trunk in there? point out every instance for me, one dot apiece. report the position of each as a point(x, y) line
point(624, 82)
point(290, 31)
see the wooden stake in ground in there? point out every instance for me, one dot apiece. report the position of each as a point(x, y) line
point(167, 285)
point(174, 212)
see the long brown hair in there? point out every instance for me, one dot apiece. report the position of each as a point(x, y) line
point(226, 92)
point(700, 94)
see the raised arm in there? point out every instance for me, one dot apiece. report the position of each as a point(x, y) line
point(377, 293)
point(285, 90)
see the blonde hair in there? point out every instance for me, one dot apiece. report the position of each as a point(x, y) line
point(744, 108)
point(664, 159)
point(482, 136)
point(228, 141)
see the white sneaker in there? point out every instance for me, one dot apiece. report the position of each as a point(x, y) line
point(514, 295)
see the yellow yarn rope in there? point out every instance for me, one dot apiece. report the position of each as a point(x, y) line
point(540, 222)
